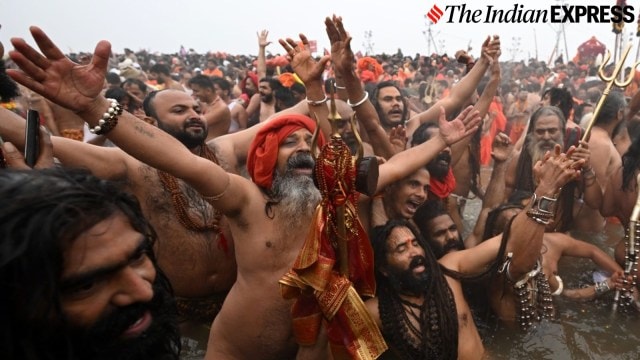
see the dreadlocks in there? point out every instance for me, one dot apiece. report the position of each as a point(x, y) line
point(437, 335)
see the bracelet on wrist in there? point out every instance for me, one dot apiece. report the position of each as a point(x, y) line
point(319, 102)
point(364, 98)
point(601, 287)
point(109, 119)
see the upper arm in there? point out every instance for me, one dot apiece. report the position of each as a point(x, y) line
point(474, 260)
point(103, 162)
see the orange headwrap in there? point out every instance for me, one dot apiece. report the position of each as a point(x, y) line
point(263, 153)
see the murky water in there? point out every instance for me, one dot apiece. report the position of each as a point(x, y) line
point(581, 330)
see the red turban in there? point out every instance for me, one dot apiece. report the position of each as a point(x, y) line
point(263, 153)
point(251, 76)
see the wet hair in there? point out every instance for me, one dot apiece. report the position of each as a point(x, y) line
point(612, 104)
point(8, 88)
point(560, 98)
point(203, 81)
point(160, 69)
point(113, 78)
point(421, 134)
point(222, 83)
point(630, 165)
point(428, 211)
point(514, 202)
point(42, 212)
point(439, 342)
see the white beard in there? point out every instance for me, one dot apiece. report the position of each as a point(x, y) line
point(298, 196)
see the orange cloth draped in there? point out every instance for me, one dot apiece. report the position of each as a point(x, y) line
point(263, 152)
point(442, 188)
point(498, 124)
point(321, 292)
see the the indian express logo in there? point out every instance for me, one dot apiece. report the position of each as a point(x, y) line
point(518, 14)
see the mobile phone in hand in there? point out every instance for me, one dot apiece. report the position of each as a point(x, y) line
point(32, 138)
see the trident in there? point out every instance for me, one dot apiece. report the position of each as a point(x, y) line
point(610, 81)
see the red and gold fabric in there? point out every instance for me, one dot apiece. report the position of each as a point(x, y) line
point(321, 292)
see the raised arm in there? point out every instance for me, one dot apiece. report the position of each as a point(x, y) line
point(501, 151)
point(407, 162)
point(342, 59)
point(105, 163)
point(482, 106)
point(262, 58)
point(525, 236)
point(78, 88)
point(463, 90)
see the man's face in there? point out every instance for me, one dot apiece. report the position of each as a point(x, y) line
point(391, 106)
point(439, 167)
point(219, 91)
point(404, 197)
point(180, 116)
point(297, 142)
point(406, 265)
point(266, 93)
point(546, 134)
point(113, 304)
point(443, 235)
point(250, 86)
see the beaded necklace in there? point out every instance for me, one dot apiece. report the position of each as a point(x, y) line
point(180, 202)
point(625, 295)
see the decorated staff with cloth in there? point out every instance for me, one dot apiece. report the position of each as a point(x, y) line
point(335, 266)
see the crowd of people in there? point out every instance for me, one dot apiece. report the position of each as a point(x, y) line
point(303, 207)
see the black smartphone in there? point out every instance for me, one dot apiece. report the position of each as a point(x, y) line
point(32, 138)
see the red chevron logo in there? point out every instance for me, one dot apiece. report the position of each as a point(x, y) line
point(435, 14)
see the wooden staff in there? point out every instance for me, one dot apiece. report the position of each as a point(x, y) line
point(610, 81)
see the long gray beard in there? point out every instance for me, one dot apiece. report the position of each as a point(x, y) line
point(298, 196)
point(536, 152)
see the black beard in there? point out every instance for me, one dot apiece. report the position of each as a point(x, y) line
point(440, 251)
point(160, 341)
point(437, 170)
point(187, 139)
point(266, 97)
point(406, 282)
point(8, 87)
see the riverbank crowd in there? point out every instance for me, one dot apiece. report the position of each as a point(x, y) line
point(308, 205)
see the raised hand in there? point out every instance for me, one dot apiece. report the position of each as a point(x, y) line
point(491, 48)
point(398, 138)
point(582, 152)
point(464, 125)
point(556, 169)
point(341, 54)
point(262, 38)
point(54, 76)
point(301, 60)
point(501, 148)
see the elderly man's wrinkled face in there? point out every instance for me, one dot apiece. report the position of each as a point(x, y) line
point(547, 132)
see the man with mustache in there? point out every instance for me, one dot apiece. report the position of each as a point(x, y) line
point(442, 180)
point(214, 109)
point(190, 230)
point(420, 306)
point(78, 275)
point(268, 215)
point(546, 130)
